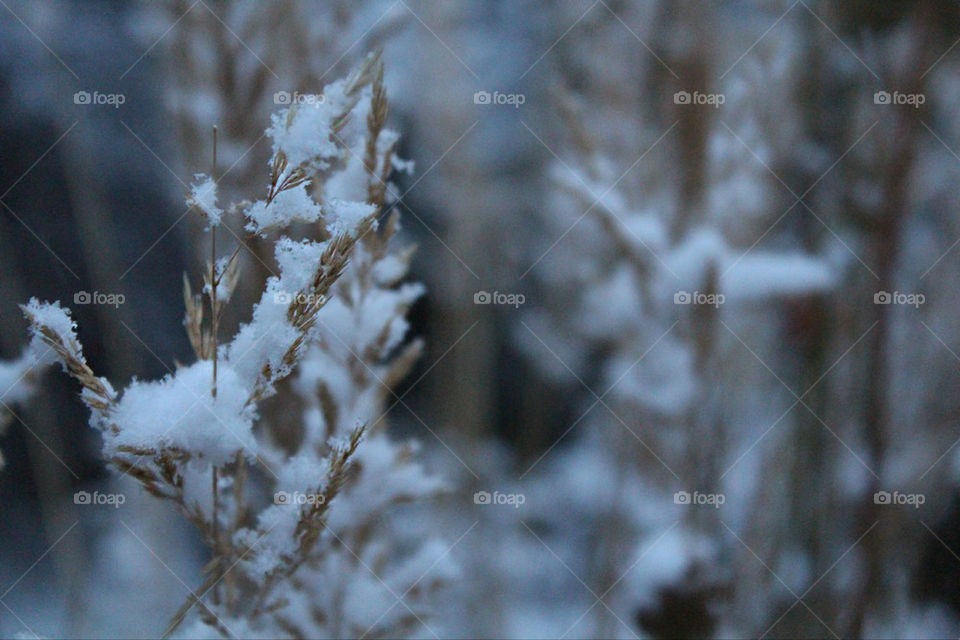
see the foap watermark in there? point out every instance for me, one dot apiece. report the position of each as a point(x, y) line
point(912, 299)
point(485, 297)
point(685, 297)
point(98, 297)
point(698, 499)
point(910, 99)
point(512, 499)
point(896, 498)
point(499, 98)
point(710, 99)
point(297, 498)
point(96, 498)
point(112, 99)
point(287, 298)
point(285, 97)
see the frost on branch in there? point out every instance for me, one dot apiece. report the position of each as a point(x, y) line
point(333, 313)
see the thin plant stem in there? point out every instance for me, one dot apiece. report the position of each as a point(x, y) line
point(213, 389)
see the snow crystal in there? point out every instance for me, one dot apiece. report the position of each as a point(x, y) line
point(279, 523)
point(303, 133)
point(298, 262)
point(53, 316)
point(58, 320)
point(343, 216)
point(266, 338)
point(302, 472)
point(289, 206)
point(179, 411)
point(351, 182)
point(203, 196)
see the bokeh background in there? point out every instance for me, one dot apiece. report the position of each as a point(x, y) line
point(719, 359)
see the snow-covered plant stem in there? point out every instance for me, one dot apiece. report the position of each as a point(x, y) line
point(199, 435)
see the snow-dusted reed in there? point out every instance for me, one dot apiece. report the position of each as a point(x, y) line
point(294, 505)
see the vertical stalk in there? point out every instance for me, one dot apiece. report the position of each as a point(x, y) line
point(214, 305)
point(874, 591)
point(214, 311)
